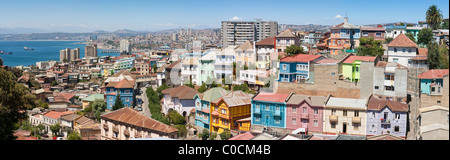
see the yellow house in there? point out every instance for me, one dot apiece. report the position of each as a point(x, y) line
point(226, 112)
point(245, 54)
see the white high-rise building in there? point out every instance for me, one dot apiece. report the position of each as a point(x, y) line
point(125, 47)
point(237, 32)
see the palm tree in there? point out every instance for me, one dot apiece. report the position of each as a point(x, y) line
point(434, 17)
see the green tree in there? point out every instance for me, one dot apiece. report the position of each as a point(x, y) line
point(225, 134)
point(425, 36)
point(155, 68)
point(160, 89)
point(444, 57)
point(176, 118)
point(182, 131)
point(410, 36)
point(54, 83)
point(204, 135)
point(133, 69)
point(74, 136)
point(118, 104)
point(98, 107)
point(14, 100)
point(40, 127)
point(242, 87)
point(370, 47)
point(433, 17)
point(433, 56)
point(388, 39)
point(445, 24)
point(202, 88)
point(213, 136)
point(55, 129)
point(294, 50)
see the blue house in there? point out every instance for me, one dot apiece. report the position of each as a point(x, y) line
point(126, 90)
point(432, 81)
point(297, 68)
point(269, 109)
point(203, 103)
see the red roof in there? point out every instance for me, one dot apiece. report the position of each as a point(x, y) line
point(243, 136)
point(327, 61)
point(433, 74)
point(56, 115)
point(402, 41)
point(270, 41)
point(271, 97)
point(378, 104)
point(352, 58)
point(300, 58)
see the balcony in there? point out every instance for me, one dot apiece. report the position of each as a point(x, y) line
point(257, 111)
point(304, 115)
point(356, 119)
point(333, 118)
point(385, 121)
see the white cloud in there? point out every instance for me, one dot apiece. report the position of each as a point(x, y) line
point(338, 16)
point(236, 18)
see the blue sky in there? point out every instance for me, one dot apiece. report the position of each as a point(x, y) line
point(151, 15)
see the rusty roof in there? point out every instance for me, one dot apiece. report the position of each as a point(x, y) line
point(181, 92)
point(132, 117)
point(376, 103)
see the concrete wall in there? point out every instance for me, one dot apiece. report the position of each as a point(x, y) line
point(367, 79)
point(439, 134)
point(445, 96)
point(430, 100)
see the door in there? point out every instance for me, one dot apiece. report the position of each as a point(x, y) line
point(304, 123)
point(267, 120)
point(344, 128)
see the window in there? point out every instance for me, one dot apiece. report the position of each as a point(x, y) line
point(224, 111)
point(397, 129)
point(356, 113)
point(257, 119)
point(344, 112)
point(257, 106)
point(395, 49)
point(332, 73)
point(376, 87)
point(399, 99)
point(333, 124)
point(277, 120)
point(267, 107)
point(316, 123)
point(356, 69)
point(397, 116)
point(355, 126)
point(365, 34)
point(284, 66)
point(389, 77)
point(305, 110)
point(378, 34)
point(127, 99)
point(333, 111)
point(294, 121)
point(395, 60)
point(294, 109)
point(277, 108)
point(389, 88)
point(316, 111)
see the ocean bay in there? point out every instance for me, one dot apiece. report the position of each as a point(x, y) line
point(43, 51)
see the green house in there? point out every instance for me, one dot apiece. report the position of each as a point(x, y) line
point(350, 67)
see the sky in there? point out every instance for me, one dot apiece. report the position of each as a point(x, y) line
point(153, 15)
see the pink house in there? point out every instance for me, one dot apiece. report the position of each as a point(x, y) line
point(304, 113)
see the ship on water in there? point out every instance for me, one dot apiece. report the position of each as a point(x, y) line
point(28, 49)
point(3, 52)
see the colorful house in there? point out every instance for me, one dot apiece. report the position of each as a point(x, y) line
point(228, 109)
point(402, 50)
point(297, 68)
point(386, 117)
point(203, 103)
point(91, 98)
point(206, 67)
point(305, 113)
point(345, 116)
point(431, 82)
point(343, 36)
point(286, 39)
point(394, 31)
point(125, 88)
point(414, 31)
point(180, 99)
point(245, 54)
point(350, 66)
point(269, 109)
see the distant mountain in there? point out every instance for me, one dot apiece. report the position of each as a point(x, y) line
point(125, 31)
point(99, 31)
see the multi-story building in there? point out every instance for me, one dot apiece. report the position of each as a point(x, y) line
point(254, 78)
point(237, 32)
point(206, 67)
point(432, 81)
point(263, 49)
point(269, 110)
point(173, 74)
point(69, 54)
point(203, 104)
point(126, 124)
point(143, 66)
point(350, 66)
point(245, 55)
point(286, 39)
point(223, 65)
point(414, 31)
point(394, 31)
point(386, 117)
point(124, 88)
point(125, 47)
point(124, 64)
point(387, 80)
point(180, 99)
point(402, 50)
point(189, 70)
point(345, 116)
point(305, 112)
point(231, 107)
point(344, 36)
point(90, 51)
point(377, 33)
point(297, 68)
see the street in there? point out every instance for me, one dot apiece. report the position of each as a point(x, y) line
point(145, 110)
